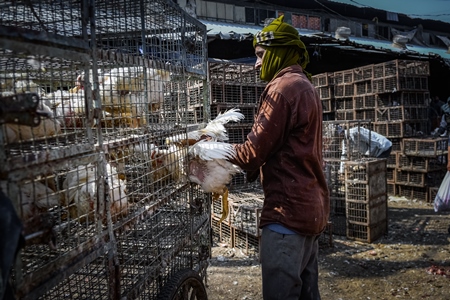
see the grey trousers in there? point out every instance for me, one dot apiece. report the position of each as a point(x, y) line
point(289, 266)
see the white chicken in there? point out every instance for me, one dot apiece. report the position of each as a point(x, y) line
point(81, 195)
point(47, 127)
point(68, 106)
point(136, 80)
point(33, 203)
point(33, 197)
point(208, 164)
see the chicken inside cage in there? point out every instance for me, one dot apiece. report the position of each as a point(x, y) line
point(81, 186)
point(127, 94)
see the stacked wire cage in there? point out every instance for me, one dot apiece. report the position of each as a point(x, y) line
point(237, 85)
point(106, 209)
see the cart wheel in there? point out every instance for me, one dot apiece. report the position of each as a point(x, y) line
point(184, 285)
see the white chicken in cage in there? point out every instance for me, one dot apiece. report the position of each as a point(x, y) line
point(81, 193)
point(33, 197)
point(137, 80)
point(28, 86)
point(127, 94)
point(69, 108)
point(208, 155)
point(34, 203)
point(49, 126)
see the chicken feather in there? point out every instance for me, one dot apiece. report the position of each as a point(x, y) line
point(208, 164)
point(215, 128)
point(210, 150)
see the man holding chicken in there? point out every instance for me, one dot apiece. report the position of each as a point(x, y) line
point(285, 148)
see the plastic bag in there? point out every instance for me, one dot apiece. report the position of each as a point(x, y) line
point(442, 200)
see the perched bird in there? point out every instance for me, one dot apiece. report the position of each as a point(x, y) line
point(208, 154)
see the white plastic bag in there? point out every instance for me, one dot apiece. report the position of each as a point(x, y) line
point(442, 200)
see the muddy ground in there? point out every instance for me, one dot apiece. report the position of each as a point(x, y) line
point(411, 262)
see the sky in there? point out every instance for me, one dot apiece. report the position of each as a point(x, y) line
point(424, 9)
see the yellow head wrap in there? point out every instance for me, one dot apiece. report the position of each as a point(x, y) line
point(283, 48)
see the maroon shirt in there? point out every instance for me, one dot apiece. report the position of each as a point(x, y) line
point(285, 143)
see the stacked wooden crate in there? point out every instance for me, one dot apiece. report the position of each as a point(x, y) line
point(366, 199)
point(394, 96)
point(334, 140)
point(420, 167)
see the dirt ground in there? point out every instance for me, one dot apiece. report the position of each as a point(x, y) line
point(411, 262)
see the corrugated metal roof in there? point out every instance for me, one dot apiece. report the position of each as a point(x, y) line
point(410, 49)
point(225, 30)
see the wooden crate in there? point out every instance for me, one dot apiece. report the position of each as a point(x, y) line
point(344, 90)
point(345, 115)
point(245, 210)
point(363, 73)
point(366, 199)
point(421, 164)
point(343, 77)
point(432, 192)
point(325, 92)
point(413, 192)
point(392, 189)
point(390, 175)
point(363, 87)
point(323, 79)
point(345, 103)
point(365, 114)
point(222, 232)
point(366, 101)
point(410, 178)
point(246, 242)
point(327, 105)
point(400, 129)
point(366, 233)
point(399, 67)
point(425, 147)
point(391, 161)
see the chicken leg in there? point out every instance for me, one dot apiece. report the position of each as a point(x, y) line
point(216, 196)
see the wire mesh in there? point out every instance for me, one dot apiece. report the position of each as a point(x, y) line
point(107, 209)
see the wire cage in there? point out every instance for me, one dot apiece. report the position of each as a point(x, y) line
point(338, 144)
point(92, 91)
